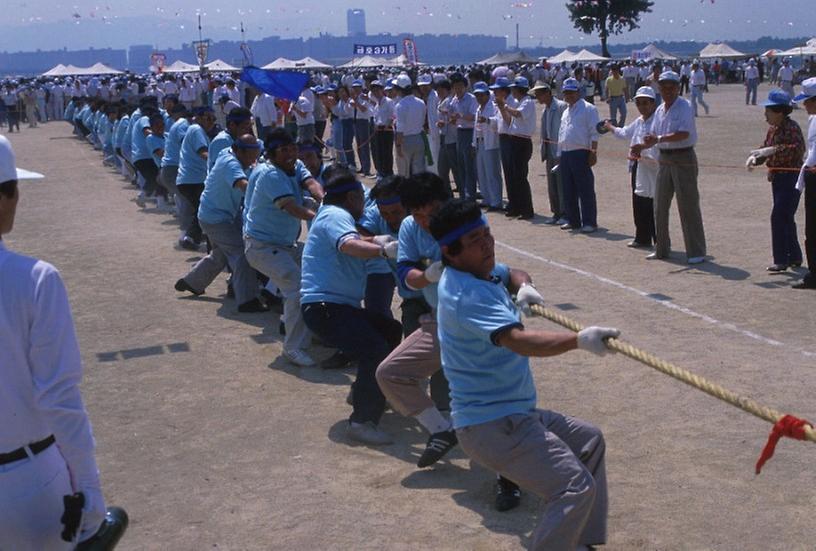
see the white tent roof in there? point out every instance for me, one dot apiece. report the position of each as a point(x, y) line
point(503, 58)
point(566, 55)
point(280, 63)
point(101, 69)
point(179, 66)
point(656, 53)
point(807, 50)
point(720, 50)
point(55, 71)
point(311, 63)
point(220, 65)
point(585, 56)
point(366, 61)
point(71, 70)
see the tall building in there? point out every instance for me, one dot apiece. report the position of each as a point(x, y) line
point(355, 21)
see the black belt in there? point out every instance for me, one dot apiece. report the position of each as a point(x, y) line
point(20, 453)
point(673, 151)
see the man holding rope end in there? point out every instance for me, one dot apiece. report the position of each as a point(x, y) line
point(485, 350)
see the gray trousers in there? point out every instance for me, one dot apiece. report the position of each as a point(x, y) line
point(677, 175)
point(556, 457)
point(167, 177)
point(282, 266)
point(412, 160)
point(227, 244)
point(488, 170)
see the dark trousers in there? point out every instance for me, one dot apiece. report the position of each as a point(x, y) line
point(579, 188)
point(13, 116)
point(379, 293)
point(446, 166)
point(643, 212)
point(348, 141)
point(785, 242)
point(518, 187)
point(810, 225)
point(362, 133)
point(150, 172)
point(360, 333)
point(192, 192)
point(320, 129)
point(506, 150)
point(466, 161)
point(383, 152)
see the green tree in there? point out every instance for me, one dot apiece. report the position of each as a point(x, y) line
point(607, 17)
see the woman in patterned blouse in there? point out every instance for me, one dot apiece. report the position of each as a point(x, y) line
point(782, 152)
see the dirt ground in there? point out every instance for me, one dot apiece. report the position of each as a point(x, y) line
point(210, 440)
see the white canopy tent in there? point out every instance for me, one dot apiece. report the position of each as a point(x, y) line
point(566, 55)
point(653, 52)
point(503, 58)
point(807, 50)
point(311, 63)
point(57, 70)
point(721, 51)
point(366, 62)
point(71, 70)
point(280, 63)
point(101, 69)
point(585, 56)
point(179, 66)
point(220, 65)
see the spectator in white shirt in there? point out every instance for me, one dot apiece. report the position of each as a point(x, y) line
point(521, 120)
point(785, 76)
point(265, 112)
point(642, 165)
point(578, 146)
point(46, 443)
point(751, 82)
point(675, 134)
point(382, 142)
point(698, 86)
point(553, 109)
point(486, 142)
point(303, 109)
point(410, 121)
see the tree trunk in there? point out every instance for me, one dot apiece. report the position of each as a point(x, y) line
point(604, 50)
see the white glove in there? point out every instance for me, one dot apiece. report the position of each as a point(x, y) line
point(389, 250)
point(433, 273)
point(591, 339)
point(383, 240)
point(526, 296)
point(764, 151)
point(751, 163)
point(93, 513)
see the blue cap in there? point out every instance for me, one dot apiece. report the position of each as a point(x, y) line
point(570, 85)
point(520, 82)
point(808, 90)
point(357, 83)
point(501, 82)
point(481, 88)
point(777, 97)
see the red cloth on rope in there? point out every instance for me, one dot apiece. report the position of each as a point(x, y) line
point(789, 426)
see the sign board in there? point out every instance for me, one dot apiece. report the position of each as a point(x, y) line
point(375, 49)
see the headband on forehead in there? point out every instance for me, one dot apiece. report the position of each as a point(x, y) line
point(452, 236)
point(274, 144)
point(389, 201)
point(242, 145)
point(337, 190)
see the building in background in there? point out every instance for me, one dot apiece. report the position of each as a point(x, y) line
point(355, 22)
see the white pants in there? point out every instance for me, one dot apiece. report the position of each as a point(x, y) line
point(31, 492)
point(433, 142)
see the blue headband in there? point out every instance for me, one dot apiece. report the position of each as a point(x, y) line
point(242, 145)
point(449, 238)
point(390, 201)
point(274, 144)
point(337, 190)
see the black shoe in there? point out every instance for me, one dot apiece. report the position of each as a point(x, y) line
point(273, 301)
point(253, 306)
point(110, 531)
point(338, 360)
point(806, 284)
point(511, 214)
point(777, 268)
point(188, 243)
point(438, 445)
point(508, 495)
point(182, 286)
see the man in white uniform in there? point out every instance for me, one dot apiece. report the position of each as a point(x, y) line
point(46, 443)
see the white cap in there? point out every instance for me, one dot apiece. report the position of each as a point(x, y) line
point(645, 92)
point(669, 75)
point(8, 164)
point(424, 80)
point(403, 81)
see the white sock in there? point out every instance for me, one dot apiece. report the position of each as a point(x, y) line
point(433, 421)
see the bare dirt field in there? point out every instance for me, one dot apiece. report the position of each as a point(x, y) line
point(210, 440)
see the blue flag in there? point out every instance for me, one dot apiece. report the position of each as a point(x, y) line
point(281, 84)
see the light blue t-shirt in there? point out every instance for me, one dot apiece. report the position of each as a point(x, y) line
point(373, 222)
point(128, 137)
point(154, 142)
point(264, 220)
point(328, 275)
point(221, 142)
point(221, 200)
point(192, 168)
point(417, 249)
point(487, 381)
point(172, 145)
point(138, 143)
point(121, 131)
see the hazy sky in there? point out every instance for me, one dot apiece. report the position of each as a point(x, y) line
point(541, 21)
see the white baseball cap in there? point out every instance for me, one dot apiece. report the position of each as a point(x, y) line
point(808, 90)
point(403, 81)
point(645, 92)
point(8, 165)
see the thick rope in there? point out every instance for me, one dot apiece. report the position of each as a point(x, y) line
point(742, 402)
